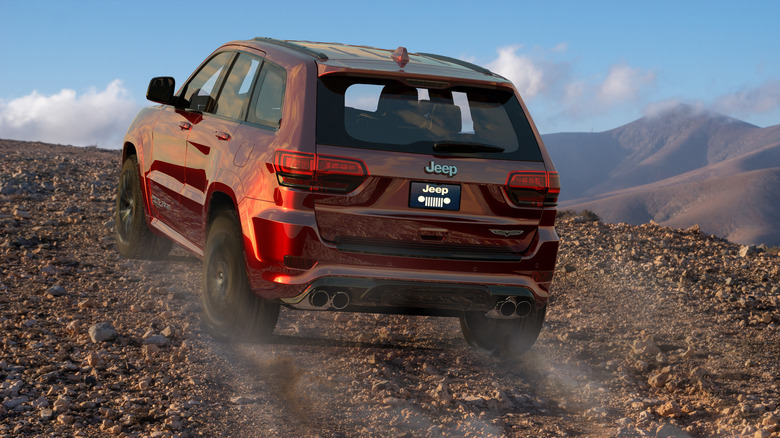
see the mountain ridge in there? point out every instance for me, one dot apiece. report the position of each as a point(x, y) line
point(679, 167)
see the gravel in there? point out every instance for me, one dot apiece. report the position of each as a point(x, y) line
point(651, 331)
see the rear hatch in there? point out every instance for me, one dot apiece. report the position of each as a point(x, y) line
point(426, 169)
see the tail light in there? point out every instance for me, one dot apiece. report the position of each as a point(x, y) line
point(319, 173)
point(533, 188)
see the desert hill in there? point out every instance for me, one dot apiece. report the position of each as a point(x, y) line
point(678, 168)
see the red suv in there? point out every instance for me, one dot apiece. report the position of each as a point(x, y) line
point(324, 176)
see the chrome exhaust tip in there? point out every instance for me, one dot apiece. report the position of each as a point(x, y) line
point(340, 300)
point(523, 309)
point(319, 299)
point(507, 307)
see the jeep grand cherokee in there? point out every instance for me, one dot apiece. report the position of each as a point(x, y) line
point(323, 176)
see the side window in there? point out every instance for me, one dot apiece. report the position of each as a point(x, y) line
point(266, 106)
point(201, 92)
point(235, 92)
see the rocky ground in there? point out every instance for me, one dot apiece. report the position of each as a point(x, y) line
point(651, 331)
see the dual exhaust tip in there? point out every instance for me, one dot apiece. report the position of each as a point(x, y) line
point(321, 299)
point(511, 307)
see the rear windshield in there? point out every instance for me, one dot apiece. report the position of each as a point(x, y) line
point(389, 115)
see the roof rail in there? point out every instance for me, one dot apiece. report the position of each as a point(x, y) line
point(297, 47)
point(459, 62)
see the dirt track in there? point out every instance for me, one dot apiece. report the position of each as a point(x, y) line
point(651, 332)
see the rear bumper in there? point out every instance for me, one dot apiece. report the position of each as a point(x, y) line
point(287, 260)
point(382, 295)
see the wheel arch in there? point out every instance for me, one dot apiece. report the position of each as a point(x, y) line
point(220, 198)
point(129, 150)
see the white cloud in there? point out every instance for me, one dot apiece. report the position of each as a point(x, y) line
point(758, 100)
point(686, 106)
point(93, 118)
point(537, 76)
point(655, 109)
point(562, 47)
point(557, 92)
point(576, 98)
point(586, 97)
point(623, 83)
point(527, 75)
point(574, 90)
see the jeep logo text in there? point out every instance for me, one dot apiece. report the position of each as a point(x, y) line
point(439, 169)
point(438, 190)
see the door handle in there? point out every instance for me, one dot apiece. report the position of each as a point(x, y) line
point(222, 135)
point(185, 126)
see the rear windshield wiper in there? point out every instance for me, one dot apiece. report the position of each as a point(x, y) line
point(465, 147)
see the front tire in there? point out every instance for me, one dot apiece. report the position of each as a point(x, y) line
point(133, 237)
point(504, 337)
point(231, 310)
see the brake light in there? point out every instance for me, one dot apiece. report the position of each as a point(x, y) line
point(400, 56)
point(531, 180)
point(319, 173)
point(330, 165)
point(296, 163)
point(533, 188)
point(554, 184)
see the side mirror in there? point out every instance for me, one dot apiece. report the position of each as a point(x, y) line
point(161, 90)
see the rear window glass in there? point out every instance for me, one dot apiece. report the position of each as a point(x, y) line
point(390, 115)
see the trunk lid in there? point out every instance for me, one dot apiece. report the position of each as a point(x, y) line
point(402, 210)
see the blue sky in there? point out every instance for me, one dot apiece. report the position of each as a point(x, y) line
point(75, 72)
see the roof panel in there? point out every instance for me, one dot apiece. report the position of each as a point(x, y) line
point(347, 53)
point(344, 56)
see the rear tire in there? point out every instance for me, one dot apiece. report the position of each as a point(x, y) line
point(508, 337)
point(133, 237)
point(230, 309)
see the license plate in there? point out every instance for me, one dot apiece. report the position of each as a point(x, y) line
point(434, 196)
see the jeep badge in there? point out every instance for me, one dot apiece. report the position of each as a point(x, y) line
point(438, 169)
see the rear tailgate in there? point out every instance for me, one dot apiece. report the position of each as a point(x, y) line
point(425, 206)
point(435, 161)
